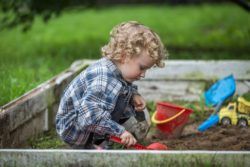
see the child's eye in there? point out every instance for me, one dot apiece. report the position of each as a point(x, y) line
point(142, 68)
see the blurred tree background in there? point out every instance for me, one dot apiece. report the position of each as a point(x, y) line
point(41, 38)
point(24, 11)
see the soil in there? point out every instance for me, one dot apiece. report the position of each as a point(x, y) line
point(215, 138)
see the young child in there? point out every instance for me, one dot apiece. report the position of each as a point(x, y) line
point(102, 98)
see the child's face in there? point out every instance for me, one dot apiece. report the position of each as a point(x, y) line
point(134, 68)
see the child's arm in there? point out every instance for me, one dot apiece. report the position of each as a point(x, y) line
point(139, 102)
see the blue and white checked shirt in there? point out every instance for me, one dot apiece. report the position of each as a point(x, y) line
point(88, 101)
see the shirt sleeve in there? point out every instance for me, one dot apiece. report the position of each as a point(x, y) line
point(94, 111)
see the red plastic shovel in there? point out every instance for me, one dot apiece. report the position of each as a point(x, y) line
point(153, 146)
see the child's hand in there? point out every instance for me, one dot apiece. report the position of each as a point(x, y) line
point(139, 103)
point(128, 139)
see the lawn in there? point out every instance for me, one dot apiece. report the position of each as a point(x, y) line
point(190, 32)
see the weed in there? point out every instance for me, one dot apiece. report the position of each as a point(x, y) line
point(46, 140)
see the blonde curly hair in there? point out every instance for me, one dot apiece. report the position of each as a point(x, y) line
point(131, 38)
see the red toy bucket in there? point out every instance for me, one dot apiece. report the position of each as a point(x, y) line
point(170, 118)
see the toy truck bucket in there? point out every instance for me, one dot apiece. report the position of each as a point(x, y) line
point(243, 106)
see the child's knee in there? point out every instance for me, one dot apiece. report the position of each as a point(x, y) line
point(138, 125)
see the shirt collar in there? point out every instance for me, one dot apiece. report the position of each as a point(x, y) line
point(113, 68)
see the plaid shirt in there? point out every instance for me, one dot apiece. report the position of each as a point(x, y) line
point(88, 101)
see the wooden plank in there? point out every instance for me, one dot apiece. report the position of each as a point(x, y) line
point(123, 158)
point(201, 70)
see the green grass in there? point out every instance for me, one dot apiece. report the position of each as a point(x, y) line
point(190, 32)
point(47, 140)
